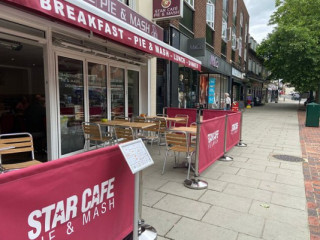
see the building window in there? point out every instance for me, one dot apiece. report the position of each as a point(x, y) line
point(245, 55)
point(190, 3)
point(187, 20)
point(223, 49)
point(225, 5)
point(234, 17)
point(209, 36)
point(210, 13)
point(224, 29)
point(250, 65)
point(246, 33)
point(240, 46)
point(234, 38)
point(129, 3)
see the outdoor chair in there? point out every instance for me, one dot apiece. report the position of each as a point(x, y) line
point(123, 134)
point(177, 142)
point(18, 143)
point(183, 123)
point(140, 133)
point(92, 132)
point(152, 134)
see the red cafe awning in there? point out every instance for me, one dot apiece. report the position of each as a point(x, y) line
point(87, 16)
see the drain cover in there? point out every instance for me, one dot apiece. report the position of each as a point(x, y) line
point(288, 158)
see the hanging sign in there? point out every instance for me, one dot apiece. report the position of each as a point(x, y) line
point(165, 9)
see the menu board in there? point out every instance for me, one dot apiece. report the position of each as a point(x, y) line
point(136, 155)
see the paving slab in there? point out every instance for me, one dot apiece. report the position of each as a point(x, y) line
point(162, 221)
point(275, 230)
point(242, 236)
point(248, 192)
point(183, 207)
point(234, 220)
point(227, 201)
point(282, 188)
point(179, 189)
point(151, 197)
point(188, 229)
point(250, 166)
point(257, 175)
point(246, 181)
point(289, 201)
point(275, 212)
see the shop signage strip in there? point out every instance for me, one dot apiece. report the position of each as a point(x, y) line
point(86, 16)
point(85, 196)
point(126, 14)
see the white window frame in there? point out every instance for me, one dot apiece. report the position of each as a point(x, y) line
point(210, 17)
point(224, 32)
point(234, 39)
point(240, 46)
point(241, 19)
point(190, 3)
point(132, 3)
point(235, 5)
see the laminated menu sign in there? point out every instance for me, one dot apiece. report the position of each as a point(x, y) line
point(136, 155)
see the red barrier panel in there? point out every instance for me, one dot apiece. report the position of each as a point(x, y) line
point(211, 146)
point(192, 113)
point(233, 130)
point(86, 196)
point(209, 114)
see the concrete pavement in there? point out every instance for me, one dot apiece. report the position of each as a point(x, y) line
point(253, 197)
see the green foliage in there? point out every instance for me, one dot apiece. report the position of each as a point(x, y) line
point(292, 51)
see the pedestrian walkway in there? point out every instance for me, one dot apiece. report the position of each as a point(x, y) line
point(256, 196)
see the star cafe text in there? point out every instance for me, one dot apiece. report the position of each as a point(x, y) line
point(96, 200)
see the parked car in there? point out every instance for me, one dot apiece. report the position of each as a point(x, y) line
point(295, 96)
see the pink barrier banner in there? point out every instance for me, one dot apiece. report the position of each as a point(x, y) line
point(233, 130)
point(192, 113)
point(211, 141)
point(86, 196)
point(209, 114)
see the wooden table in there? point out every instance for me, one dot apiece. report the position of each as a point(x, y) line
point(190, 130)
point(168, 119)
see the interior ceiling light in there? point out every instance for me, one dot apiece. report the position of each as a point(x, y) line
point(12, 45)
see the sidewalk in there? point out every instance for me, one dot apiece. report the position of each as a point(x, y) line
point(256, 196)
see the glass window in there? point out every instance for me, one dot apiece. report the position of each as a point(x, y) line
point(245, 55)
point(97, 83)
point(117, 92)
point(190, 3)
point(225, 5)
point(129, 3)
point(187, 20)
point(210, 13)
point(209, 35)
point(234, 7)
point(241, 19)
point(71, 104)
point(240, 46)
point(133, 93)
point(224, 30)
point(234, 38)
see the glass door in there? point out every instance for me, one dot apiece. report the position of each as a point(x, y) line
point(97, 85)
point(71, 94)
point(117, 85)
point(133, 93)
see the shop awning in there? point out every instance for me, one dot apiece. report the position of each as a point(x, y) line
point(82, 14)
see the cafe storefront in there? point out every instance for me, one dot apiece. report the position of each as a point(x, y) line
point(67, 62)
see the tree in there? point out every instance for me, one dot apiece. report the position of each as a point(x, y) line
point(292, 51)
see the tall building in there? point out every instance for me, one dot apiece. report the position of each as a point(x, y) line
point(216, 33)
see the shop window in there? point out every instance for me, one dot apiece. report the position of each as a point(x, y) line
point(187, 20)
point(187, 87)
point(210, 13)
point(133, 93)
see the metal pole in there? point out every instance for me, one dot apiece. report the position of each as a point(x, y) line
point(241, 144)
point(136, 207)
point(225, 157)
point(196, 183)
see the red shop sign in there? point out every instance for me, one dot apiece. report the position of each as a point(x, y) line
point(97, 21)
point(163, 9)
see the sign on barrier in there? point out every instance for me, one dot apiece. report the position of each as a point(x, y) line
point(211, 147)
point(192, 113)
point(233, 130)
point(86, 196)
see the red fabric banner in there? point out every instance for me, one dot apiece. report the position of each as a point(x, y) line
point(86, 196)
point(192, 113)
point(209, 114)
point(80, 14)
point(212, 135)
point(233, 129)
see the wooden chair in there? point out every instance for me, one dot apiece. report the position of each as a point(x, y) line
point(177, 141)
point(152, 134)
point(123, 134)
point(183, 123)
point(162, 128)
point(18, 143)
point(139, 133)
point(92, 132)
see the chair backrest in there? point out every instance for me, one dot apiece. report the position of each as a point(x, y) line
point(91, 130)
point(155, 128)
point(163, 124)
point(122, 118)
point(139, 119)
point(194, 124)
point(20, 142)
point(184, 122)
point(123, 134)
point(177, 138)
point(162, 115)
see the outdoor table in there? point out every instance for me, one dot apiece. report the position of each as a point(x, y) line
point(168, 119)
point(191, 183)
